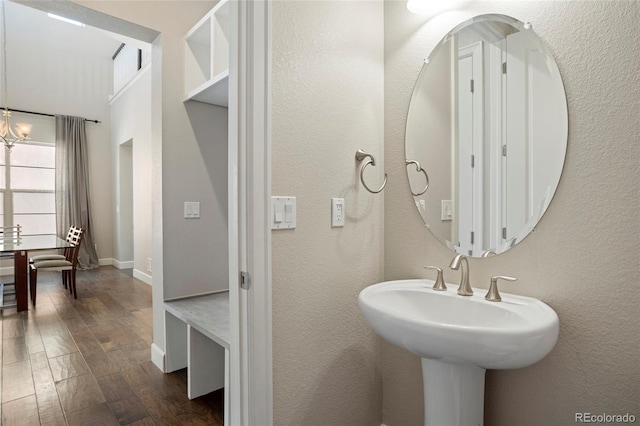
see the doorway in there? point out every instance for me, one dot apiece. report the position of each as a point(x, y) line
point(124, 206)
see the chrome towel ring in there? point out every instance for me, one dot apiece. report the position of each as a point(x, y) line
point(418, 169)
point(362, 156)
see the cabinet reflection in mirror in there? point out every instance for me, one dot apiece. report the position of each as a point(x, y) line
point(488, 123)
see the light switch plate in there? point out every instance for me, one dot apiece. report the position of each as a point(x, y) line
point(192, 210)
point(283, 212)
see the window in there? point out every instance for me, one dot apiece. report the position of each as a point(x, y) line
point(27, 183)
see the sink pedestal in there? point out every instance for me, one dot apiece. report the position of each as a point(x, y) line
point(470, 332)
point(453, 393)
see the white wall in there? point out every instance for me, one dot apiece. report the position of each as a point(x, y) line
point(195, 250)
point(52, 75)
point(123, 171)
point(582, 259)
point(131, 123)
point(327, 103)
point(187, 250)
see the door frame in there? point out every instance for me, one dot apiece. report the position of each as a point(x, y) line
point(475, 51)
point(251, 393)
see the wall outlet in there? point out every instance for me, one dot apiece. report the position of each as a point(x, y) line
point(148, 264)
point(337, 212)
point(446, 210)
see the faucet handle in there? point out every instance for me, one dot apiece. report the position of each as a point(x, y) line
point(493, 295)
point(439, 285)
point(489, 253)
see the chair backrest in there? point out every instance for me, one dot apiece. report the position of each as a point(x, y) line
point(75, 239)
point(70, 234)
point(10, 233)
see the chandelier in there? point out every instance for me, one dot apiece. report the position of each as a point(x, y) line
point(21, 131)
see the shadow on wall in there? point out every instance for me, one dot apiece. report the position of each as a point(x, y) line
point(210, 127)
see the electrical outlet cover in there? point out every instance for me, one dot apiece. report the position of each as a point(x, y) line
point(337, 212)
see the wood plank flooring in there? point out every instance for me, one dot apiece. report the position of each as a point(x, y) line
point(88, 361)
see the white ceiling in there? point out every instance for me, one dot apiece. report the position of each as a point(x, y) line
point(28, 23)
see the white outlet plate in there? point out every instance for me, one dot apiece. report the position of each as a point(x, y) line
point(337, 212)
point(446, 210)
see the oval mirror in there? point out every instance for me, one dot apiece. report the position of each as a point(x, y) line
point(486, 135)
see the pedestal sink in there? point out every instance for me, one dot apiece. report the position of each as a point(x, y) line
point(458, 338)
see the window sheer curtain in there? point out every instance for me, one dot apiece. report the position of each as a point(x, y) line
point(73, 205)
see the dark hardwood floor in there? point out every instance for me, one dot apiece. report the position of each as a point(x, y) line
point(88, 361)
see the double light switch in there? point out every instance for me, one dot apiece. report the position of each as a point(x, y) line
point(283, 212)
point(191, 209)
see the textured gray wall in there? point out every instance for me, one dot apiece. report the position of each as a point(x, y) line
point(327, 103)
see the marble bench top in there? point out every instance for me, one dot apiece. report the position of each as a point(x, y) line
point(209, 314)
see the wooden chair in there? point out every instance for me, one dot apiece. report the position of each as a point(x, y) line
point(52, 256)
point(67, 266)
point(9, 234)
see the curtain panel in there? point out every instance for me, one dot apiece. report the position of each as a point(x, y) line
point(73, 204)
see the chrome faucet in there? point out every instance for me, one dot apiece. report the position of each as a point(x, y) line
point(465, 287)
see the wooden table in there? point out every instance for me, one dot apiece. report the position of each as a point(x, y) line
point(20, 248)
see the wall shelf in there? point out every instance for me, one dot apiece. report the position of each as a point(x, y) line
point(214, 91)
point(206, 62)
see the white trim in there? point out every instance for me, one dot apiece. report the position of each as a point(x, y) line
point(122, 264)
point(145, 278)
point(251, 388)
point(258, 199)
point(130, 83)
point(233, 396)
point(190, 296)
point(494, 134)
point(475, 51)
point(107, 261)
point(157, 357)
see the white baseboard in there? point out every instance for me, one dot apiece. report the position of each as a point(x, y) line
point(105, 262)
point(157, 357)
point(145, 278)
point(128, 264)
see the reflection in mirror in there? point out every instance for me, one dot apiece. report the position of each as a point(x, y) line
point(488, 124)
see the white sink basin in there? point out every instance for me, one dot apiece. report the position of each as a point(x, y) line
point(442, 325)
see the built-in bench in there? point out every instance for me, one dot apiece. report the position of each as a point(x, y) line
point(197, 337)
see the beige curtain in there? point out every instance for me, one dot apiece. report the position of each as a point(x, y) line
point(73, 206)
